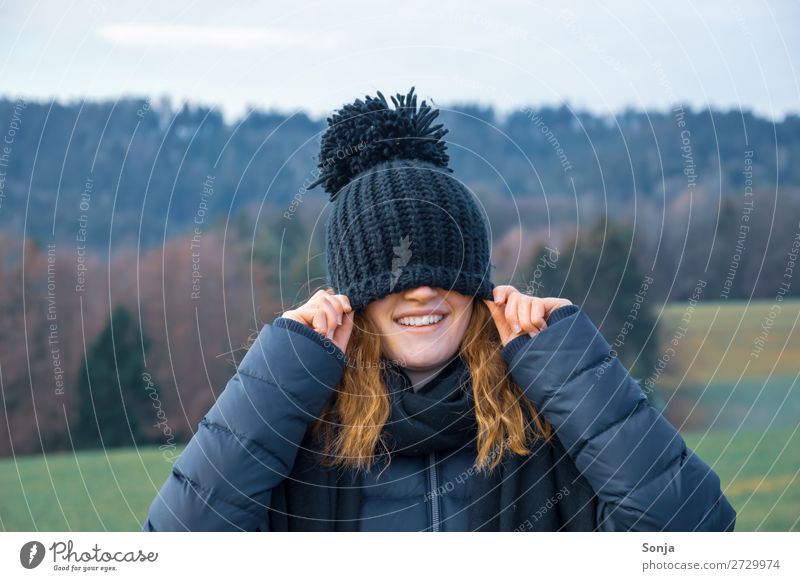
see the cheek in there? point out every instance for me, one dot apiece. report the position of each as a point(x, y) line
point(463, 316)
point(459, 329)
point(391, 341)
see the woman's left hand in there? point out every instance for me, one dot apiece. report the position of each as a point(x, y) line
point(515, 313)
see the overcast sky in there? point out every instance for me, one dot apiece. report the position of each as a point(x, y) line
point(315, 56)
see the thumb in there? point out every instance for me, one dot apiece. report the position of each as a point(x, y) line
point(499, 317)
point(493, 307)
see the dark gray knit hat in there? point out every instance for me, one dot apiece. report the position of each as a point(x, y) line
point(399, 219)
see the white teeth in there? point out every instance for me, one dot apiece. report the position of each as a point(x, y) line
point(420, 321)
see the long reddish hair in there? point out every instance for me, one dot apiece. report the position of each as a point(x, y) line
point(351, 424)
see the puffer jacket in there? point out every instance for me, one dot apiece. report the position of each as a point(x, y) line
point(645, 477)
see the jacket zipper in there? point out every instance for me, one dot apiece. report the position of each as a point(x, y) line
point(434, 494)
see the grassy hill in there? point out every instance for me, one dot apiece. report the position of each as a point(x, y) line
point(717, 379)
point(760, 475)
point(739, 412)
point(98, 491)
point(87, 491)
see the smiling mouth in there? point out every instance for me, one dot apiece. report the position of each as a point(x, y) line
point(424, 322)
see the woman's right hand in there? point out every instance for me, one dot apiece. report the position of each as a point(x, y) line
point(328, 314)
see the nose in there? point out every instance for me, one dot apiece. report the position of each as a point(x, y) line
point(420, 293)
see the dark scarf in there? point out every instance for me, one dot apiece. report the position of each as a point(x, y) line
point(542, 491)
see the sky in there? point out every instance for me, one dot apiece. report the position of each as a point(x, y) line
point(315, 56)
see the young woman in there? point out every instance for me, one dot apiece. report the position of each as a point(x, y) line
point(415, 395)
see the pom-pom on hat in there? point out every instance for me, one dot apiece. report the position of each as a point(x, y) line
point(399, 219)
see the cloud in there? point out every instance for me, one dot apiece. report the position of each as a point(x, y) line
point(186, 36)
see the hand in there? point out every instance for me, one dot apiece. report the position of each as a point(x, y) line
point(328, 314)
point(515, 313)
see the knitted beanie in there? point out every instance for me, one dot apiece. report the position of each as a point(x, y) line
point(398, 220)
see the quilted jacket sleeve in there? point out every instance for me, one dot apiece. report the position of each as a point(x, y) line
point(248, 441)
point(645, 477)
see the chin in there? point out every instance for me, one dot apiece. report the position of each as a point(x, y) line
point(422, 358)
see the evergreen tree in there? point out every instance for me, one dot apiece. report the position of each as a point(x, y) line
point(730, 254)
point(286, 248)
point(617, 302)
point(111, 391)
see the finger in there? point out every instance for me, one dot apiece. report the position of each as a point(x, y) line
point(345, 302)
point(552, 303)
point(320, 322)
point(337, 306)
point(524, 313)
point(328, 305)
point(349, 321)
point(512, 318)
point(501, 293)
point(342, 334)
point(537, 316)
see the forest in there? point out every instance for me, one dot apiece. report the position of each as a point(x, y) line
point(142, 245)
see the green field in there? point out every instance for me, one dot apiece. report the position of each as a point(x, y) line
point(760, 474)
point(717, 379)
point(87, 491)
point(94, 491)
point(738, 409)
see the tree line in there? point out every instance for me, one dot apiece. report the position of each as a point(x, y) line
point(141, 247)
